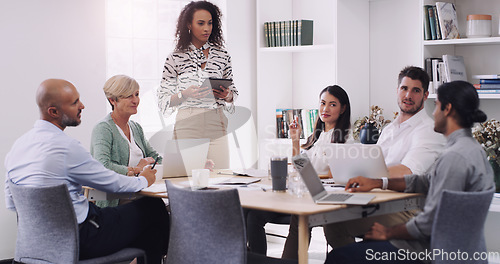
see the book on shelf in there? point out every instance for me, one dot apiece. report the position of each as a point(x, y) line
point(448, 22)
point(486, 76)
point(305, 32)
point(454, 67)
point(266, 34)
point(428, 67)
point(437, 73)
point(276, 34)
point(277, 42)
point(432, 21)
point(427, 25)
point(480, 91)
point(487, 86)
point(288, 33)
point(283, 33)
point(279, 124)
point(489, 81)
point(271, 34)
point(438, 24)
point(306, 119)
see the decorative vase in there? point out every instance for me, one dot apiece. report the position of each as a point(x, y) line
point(496, 174)
point(369, 134)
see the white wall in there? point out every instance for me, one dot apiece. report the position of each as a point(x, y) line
point(395, 39)
point(40, 40)
point(240, 38)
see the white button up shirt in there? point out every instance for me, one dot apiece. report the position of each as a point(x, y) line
point(412, 143)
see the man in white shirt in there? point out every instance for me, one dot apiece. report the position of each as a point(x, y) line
point(462, 166)
point(410, 146)
point(46, 156)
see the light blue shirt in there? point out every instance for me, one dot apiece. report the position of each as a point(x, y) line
point(46, 156)
point(462, 166)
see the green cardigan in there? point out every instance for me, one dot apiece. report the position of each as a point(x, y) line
point(109, 147)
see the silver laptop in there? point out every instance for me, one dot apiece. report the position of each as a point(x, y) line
point(351, 160)
point(318, 192)
point(181, 156)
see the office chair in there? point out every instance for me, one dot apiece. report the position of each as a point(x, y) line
point(207, 226)
point(47, 230)
point(459, 223)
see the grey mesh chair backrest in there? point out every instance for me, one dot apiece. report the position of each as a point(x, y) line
point(459, 223)
point(206, 226)
point(47, 228)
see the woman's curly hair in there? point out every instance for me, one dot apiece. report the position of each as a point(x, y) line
point(182, 34)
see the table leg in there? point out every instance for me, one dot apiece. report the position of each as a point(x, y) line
point(303, 238)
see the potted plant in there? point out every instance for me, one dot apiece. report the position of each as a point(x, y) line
point(367, 129)
point(488, 135)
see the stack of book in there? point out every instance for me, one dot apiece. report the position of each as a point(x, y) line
point(306, 118)
point(488, 84)
point(440, 21)
point(288, 33)
point(446, 69)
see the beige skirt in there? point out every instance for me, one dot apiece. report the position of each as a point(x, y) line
point(205, 123)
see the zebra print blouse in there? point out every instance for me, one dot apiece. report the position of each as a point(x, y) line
point(183, 69)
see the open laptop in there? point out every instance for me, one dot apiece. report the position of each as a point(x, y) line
point(351, 160)
point(318, 192)
point(181, 156)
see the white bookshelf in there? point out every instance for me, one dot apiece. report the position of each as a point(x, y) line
point(464, 41)
point(292, 77)
point(481, 55)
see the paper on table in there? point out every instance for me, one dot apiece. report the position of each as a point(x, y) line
point(156, 188)
point(251, 172)
point(255, 186)
point(238, 181)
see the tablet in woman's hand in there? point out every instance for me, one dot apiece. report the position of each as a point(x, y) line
point(216, 83)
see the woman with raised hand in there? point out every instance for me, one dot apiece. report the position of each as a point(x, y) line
point(332, 126)
point(198, 55)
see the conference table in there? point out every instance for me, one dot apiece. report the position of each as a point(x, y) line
point(309, 213)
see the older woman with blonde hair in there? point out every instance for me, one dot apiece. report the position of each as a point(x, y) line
point(118, 142)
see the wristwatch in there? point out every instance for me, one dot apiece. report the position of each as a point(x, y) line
point(179, 95)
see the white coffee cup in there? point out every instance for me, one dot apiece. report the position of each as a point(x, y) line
point(200, 178)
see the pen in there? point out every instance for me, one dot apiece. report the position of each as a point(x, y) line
point(264, 189)
point(154, 164)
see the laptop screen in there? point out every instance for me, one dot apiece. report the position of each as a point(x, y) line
point(350, 160)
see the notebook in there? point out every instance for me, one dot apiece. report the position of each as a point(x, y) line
point(181, 156)
point(318, 192)
point(351, 160)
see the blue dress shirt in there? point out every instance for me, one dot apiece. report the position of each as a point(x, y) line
point(46, 156)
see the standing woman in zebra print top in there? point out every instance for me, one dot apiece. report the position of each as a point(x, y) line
point(199, 54)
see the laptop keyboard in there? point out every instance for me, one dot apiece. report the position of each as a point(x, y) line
point(337, 197)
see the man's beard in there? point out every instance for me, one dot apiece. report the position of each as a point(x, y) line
point(413, 110)
point(66, 121)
